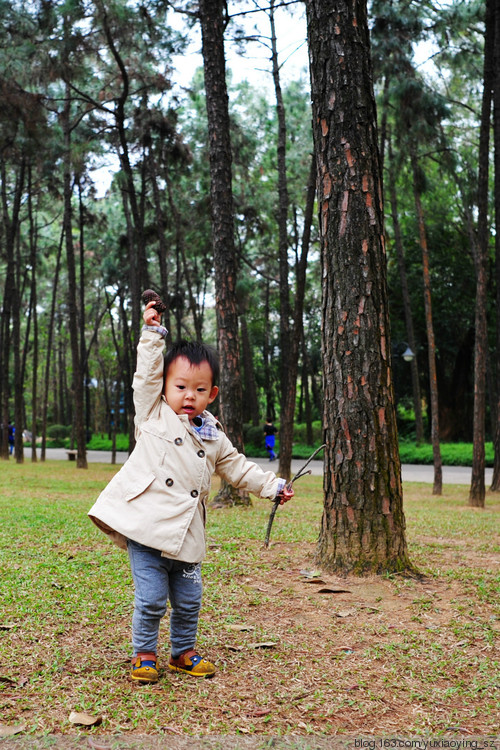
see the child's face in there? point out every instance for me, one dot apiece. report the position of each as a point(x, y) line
point(188, 388)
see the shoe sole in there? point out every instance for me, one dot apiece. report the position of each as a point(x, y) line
point(207, 675)
point(144, 678)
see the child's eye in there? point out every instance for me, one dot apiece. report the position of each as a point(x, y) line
point(181, 387)
point(201, 390)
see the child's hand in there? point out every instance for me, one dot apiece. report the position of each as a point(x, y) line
point(150, 316)
point(286, 494)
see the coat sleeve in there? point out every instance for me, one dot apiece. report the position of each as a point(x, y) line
point(238, 471)
point(148, 378)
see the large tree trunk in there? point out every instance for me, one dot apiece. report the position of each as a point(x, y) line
point(211, 13)
point(437, 488)
point(477, 488)
point(363, 524)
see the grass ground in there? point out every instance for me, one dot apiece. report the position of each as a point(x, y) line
point(300, 653)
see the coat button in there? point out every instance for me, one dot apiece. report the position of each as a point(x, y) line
point(201, 454)
point(194, 493)
point(169, 482)
point(178, 441)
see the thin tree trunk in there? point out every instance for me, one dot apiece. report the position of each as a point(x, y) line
point(288, 370)
point(398, 242)
point(495, 484)
point(162, 245)
point(138, 268)
point(13, 303)
point(181, 253)
point(437, 488)
point(267, 354)
point(50, 337)
point(251, 400)
point(477, 489)
point(307, 395)
point(34, 317)
point(77, 384)
point(18, 368)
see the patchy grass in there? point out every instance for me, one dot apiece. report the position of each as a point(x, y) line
point(383, 656)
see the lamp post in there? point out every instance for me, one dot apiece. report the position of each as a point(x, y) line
point(404, 351)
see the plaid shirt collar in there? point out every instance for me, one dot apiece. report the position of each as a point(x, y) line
point(207, 430)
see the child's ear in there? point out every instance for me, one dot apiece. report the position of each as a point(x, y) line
point(213, 394)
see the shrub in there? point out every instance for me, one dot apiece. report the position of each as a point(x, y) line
point(58, 432)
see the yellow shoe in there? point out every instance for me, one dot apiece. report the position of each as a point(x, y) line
point(144, 668)
point(192, 663)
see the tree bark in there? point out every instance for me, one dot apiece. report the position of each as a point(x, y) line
point(211, 14)
point(363, 524)
point(477, 491)
point(495, 484)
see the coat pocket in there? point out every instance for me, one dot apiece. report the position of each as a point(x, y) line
point(135, 486)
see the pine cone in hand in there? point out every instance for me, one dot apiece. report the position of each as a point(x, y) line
point(149, 295)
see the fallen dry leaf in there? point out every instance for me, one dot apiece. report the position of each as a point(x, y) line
point(241, 628)
point(97, 745)
point(260, 712)
point(310, 573)
point(328, 590)
point(84, 719)
point(7, 625)
point(8, 730)
point(264, 644)
point(345, 613)
point(172, 730)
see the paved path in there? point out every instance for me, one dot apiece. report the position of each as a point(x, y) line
point(411, 472)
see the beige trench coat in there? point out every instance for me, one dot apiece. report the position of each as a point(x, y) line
point(158, 498)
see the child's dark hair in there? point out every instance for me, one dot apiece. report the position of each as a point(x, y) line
point(196, 353)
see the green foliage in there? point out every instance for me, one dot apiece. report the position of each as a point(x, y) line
point(453, 454)
point(58, 431)
point(103, 443)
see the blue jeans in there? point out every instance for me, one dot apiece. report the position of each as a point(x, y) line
point(157, 580)
point(270, 441)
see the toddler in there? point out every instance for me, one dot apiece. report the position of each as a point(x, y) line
point(155, 506)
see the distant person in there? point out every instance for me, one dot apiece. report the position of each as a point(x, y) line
point(155, 506)
point(269, 438)
point(12, 432)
